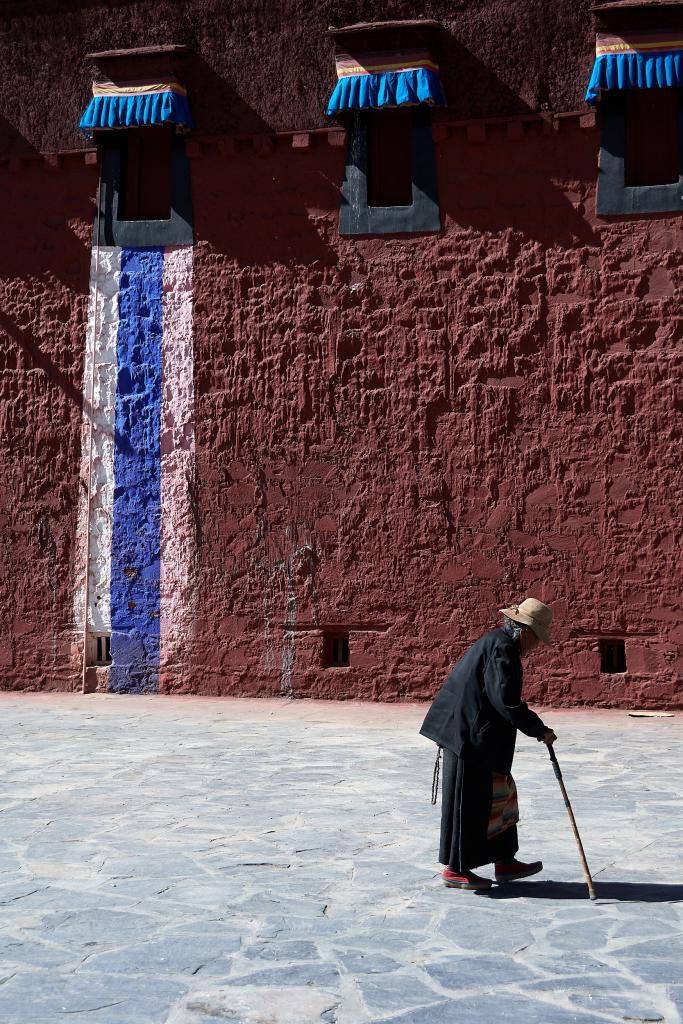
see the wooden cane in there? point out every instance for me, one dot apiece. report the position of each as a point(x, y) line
point(558, 776)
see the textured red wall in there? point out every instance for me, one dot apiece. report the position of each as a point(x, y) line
point(44, 266)
point(394, 436)
point(398, 435)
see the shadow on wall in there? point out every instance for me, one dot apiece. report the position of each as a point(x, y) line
point(25, 341)
point(255, 198)
point(47, 215)
point(500, 183)
point(532, 176)
point(472, 88)
point(260, 201)
point(505, 178)
point(217, 107)
point(279, 207)
point(12, 142)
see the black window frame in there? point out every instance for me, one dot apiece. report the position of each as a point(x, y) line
point(613, 195)
point(113, 230)
point(423, 216)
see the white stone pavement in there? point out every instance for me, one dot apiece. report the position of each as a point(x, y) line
point(189, 861)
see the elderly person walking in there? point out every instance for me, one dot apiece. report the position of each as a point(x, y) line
point(475, 717)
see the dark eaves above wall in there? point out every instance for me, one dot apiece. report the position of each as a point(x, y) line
point(260, 68)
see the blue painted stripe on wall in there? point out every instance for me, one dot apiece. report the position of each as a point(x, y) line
point(136, 531)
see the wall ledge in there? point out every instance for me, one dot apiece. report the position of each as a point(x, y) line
point(265, 144)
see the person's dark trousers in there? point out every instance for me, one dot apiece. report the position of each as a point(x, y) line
point(466, 796)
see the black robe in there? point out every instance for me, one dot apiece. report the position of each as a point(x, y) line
point(475, 717)
point(466, 792)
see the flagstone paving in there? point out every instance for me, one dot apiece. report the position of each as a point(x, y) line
point(188, 861)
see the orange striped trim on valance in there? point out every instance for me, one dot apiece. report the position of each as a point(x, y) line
point(382, 62)
point(638, 42)
point(137, 87)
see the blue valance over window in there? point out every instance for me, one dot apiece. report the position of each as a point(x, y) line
point(385, 80)
point(642, 60)
point(134, 104)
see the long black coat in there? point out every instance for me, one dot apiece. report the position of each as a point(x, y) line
point(479, 708)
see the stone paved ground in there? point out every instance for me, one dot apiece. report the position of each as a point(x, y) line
point(187, 861)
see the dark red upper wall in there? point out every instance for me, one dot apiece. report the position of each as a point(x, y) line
point(264, 66)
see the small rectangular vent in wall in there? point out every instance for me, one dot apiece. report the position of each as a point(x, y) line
point(612, 656)
point(336, 650)
point(103, 650)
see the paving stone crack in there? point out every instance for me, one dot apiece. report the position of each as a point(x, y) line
point(6, 903)
point(94, 1009)
point(626, 856)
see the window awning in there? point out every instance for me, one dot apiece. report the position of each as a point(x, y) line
point(130, 104)
point(385, 79)
point(637, 60)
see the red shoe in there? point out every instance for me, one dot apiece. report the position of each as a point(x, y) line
point(467, 880)
point(509, 870)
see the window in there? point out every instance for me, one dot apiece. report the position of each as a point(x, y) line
point(390, 178)
point(145, 188)
point(103, 650)
point(651, 153)
point(640, 151)
point(146, 174)
point(99, 650)
point(336, 650)
point(640, 123)
point(612, 656)
point(145, 184)
point(388, 82)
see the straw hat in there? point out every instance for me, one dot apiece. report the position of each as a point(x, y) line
point(534, 614)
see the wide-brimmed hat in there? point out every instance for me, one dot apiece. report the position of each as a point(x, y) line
point(534, 614)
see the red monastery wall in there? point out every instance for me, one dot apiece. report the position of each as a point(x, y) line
point(393, 436)
point(396, 436)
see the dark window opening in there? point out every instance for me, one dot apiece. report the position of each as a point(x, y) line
point(651, 151)
point(166, 197)
point(336, 650)
point(612, 656)
point(390, 172)
point(146, 174)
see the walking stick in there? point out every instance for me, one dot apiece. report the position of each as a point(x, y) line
point(558, 776)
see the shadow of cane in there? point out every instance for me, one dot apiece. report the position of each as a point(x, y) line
point(620, 892)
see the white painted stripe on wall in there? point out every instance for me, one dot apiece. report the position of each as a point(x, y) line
point(103, 325)
point(178, 533)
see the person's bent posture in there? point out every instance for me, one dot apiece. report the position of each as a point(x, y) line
point(474, 718)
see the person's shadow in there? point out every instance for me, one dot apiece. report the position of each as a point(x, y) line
point(623, 892)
